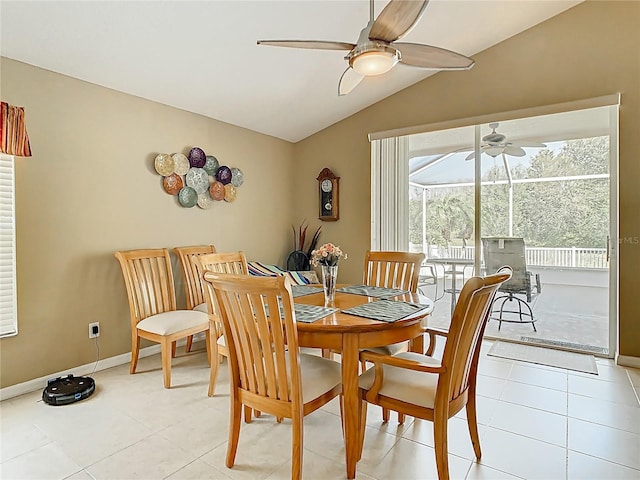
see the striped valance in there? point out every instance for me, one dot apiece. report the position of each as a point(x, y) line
point(13, 131)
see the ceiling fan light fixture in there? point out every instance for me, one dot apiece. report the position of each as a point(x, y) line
point(374, 61)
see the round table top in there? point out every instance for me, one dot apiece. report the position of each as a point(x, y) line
point(342, 322)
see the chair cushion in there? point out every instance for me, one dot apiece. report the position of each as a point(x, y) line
point(201, 308)
point(168, 323)
point(319, 375)
point(417, 388)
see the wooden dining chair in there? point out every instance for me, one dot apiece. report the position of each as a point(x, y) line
point(436, 390)
point(224, 262)
point(152, 305)
point(392, 269)
point(399, 270)
point(267, 370)
point(192, 281)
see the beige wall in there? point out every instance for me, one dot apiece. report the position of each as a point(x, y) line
point(90, 189)
point(591, 50)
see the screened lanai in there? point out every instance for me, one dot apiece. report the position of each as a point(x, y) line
point(545, 179)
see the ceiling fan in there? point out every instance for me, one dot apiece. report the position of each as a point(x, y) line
point(377, 51)
point(494, 144)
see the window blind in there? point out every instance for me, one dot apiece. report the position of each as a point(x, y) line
point(8, 297)
point(390, 194)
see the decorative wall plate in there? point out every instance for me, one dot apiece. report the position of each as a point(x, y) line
point(217, 191)
point(224, 175)
point(198, 179)
point(181, 162)
point(237, 177)
point(197, 158)
point(188, 197)
point(164, 164)
point(173, 184)
point(229, 193)
point(211, 165)
point(205, 201)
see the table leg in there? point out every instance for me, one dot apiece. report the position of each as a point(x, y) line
point(350, 354)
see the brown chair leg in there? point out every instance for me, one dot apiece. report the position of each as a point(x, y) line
point(135, 352)
point(248, 411)
point(235, 417)
point(385, 415)
point(213, 374)
point(166, 362)
point(440, 444)
point(173, 349)
point(296, 447)
point(187, 348)
point(401, 418)
point(472, 421)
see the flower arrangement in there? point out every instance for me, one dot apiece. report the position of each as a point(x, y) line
point(327, 254)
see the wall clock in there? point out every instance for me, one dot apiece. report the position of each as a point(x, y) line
point(328, 196)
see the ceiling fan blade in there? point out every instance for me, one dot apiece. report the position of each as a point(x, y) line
point(528, 144)
point(312, 44)
point(348, 81)
point(427, 56)
point(514, 151)
point(397, 19)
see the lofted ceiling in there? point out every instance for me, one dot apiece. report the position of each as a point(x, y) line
point(202, 56)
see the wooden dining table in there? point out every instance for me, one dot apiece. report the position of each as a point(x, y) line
point(348, 334)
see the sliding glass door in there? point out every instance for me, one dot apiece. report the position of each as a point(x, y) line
point(542, 191)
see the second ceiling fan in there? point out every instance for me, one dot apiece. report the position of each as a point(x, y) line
point(377, 50)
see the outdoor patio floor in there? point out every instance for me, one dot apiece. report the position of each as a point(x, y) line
point(570, 316)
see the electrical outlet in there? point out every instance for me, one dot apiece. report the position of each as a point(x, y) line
point(94, 330)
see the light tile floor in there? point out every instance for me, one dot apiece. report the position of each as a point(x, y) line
point(536, 422)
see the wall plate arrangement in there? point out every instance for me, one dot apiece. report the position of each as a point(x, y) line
point(198, 179)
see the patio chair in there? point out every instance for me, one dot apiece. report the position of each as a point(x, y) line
point(500, 251)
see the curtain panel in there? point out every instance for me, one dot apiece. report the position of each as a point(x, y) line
point(14, 139)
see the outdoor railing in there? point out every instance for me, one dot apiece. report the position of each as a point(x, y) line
point(569, 257)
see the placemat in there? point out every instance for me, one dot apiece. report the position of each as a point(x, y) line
point(311, 313)
point(371, 291)
point(385, 310)
point(302, 290)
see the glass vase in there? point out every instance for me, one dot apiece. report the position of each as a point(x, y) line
point(329, 277)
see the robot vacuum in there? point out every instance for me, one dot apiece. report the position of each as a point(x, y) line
point(69, 389)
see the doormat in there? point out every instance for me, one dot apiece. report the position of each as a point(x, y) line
point(580, 362)
point(570, 345)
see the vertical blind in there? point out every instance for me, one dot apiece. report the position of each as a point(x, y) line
point(390, 194)
point(8, 303)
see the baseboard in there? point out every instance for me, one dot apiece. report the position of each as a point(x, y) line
point(40, 383)
point(628, 361)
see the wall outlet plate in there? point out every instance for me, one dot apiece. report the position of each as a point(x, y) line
point(94, 329)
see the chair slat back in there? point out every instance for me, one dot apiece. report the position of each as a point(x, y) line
point(192, 281)
point(469, 319)
point(224, 262)
point(393, 269)
point(149, 281)
point(258, 318)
